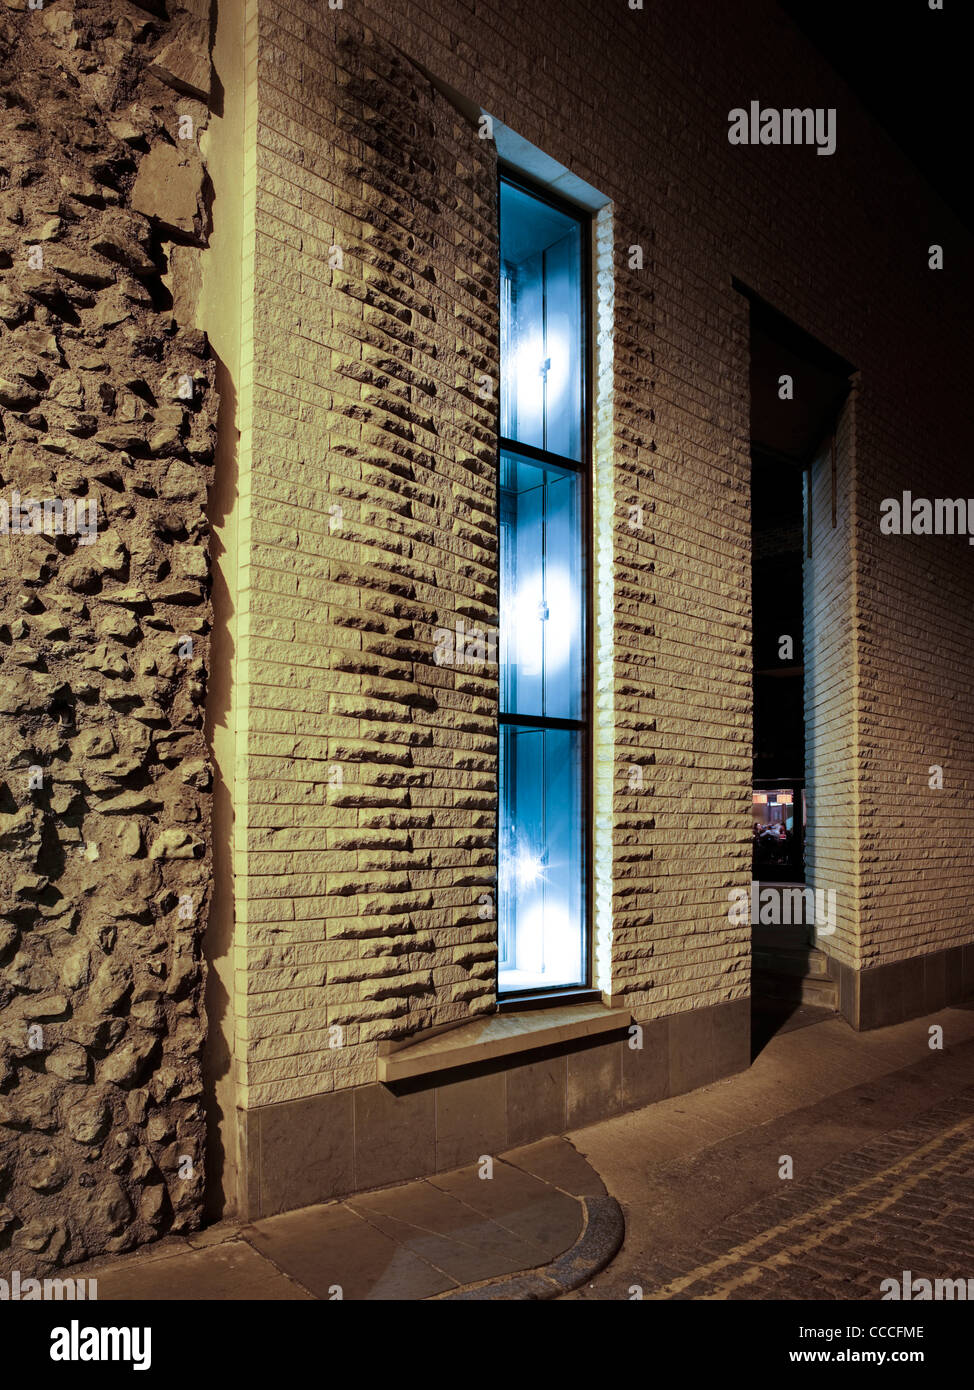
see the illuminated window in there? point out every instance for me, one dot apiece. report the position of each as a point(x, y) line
point(542, 900)
point(778, 829)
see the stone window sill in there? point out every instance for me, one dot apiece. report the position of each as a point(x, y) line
point(496, 1035)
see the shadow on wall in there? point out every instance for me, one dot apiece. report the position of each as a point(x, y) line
point(218, 937)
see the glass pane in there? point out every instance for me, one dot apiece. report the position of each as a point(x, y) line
point(541, 909)
point(776, 842)
point(541, 590)
point(541, 325)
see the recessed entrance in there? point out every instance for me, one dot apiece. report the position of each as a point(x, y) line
point(797, 391)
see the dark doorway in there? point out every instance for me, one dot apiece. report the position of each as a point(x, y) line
point(778, 798)
point(797, 388)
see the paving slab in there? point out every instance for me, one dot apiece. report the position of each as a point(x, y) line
point(334, 1253)
point(558, 1163)
point(425, 1239)
point(519, 1202)
point(448, 1233)
point(229, 1271)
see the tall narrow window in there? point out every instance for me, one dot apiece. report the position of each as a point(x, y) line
point(542, 898)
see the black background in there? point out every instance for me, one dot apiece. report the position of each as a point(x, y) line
point(912, 68)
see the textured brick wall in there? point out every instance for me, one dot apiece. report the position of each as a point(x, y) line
point(832, 848)
point(371, 769)
point(682, 634)
point(916, 639)
point(106, 399)
point(361, 901)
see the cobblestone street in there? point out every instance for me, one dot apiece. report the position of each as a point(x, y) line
point(899, 1206)
point(904, 1203)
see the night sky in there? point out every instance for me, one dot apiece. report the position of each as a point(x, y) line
point(911, 66)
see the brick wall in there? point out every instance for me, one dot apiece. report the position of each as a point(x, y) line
point(833, 842)
point(916, 638)
point(360, 901)
point(371, 768)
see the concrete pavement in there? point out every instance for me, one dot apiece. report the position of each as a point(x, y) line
point(534, 1226)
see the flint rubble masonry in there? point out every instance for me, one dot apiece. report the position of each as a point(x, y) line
point(107, 404)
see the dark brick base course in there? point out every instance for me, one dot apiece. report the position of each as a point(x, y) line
point(905, 989)
point(307, 1151)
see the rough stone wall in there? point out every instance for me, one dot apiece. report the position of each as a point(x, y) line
point(364, 852)
point(105, 399)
